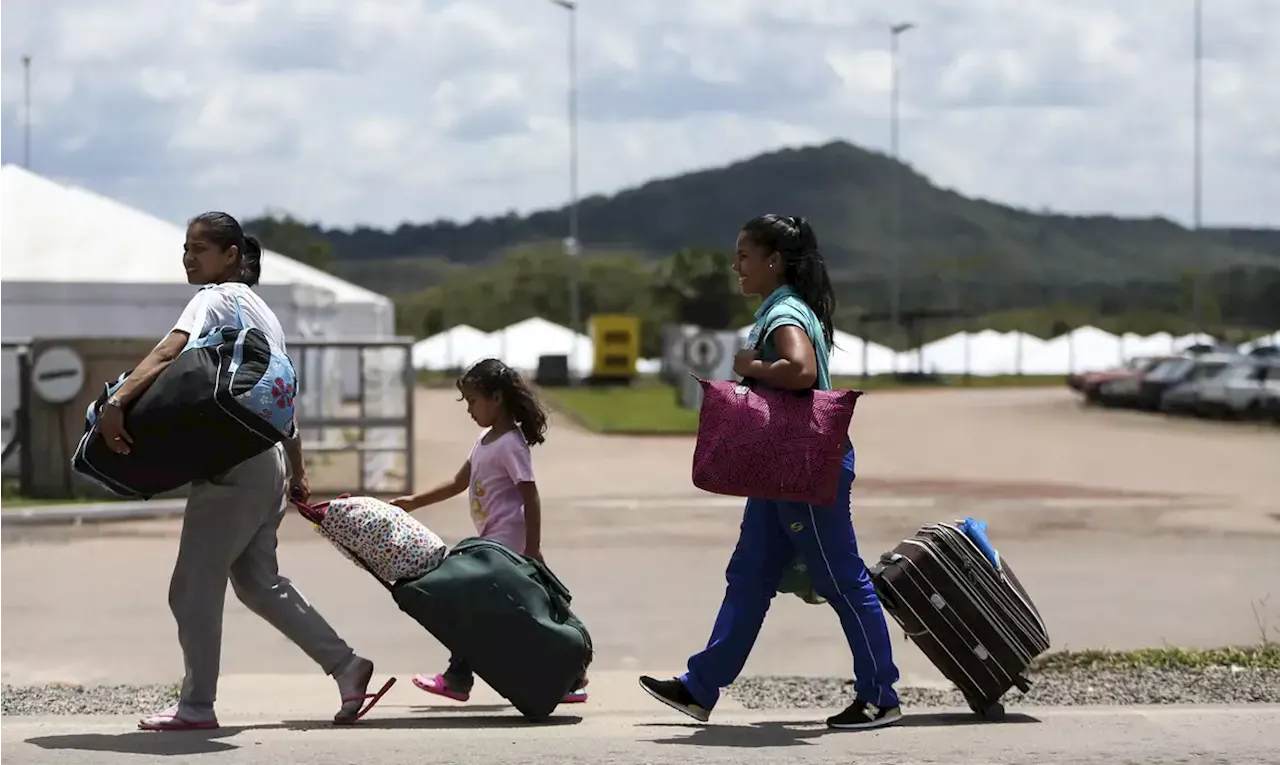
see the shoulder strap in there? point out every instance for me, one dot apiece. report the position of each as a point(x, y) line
point(239, 313)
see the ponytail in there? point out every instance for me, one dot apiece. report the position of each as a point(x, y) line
point(250, 270)
point(803, 266)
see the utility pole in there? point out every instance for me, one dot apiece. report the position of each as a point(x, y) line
point(895, 289)
point(1197, 110)
point(572, 245)
point(26, 112)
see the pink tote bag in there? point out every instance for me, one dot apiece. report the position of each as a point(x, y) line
point(775, 444)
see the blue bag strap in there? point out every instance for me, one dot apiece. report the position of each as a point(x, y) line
point(239, 314)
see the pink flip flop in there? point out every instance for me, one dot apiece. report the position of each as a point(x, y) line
point(371, 699)
point(437, 686)
point(169, 721)
point(575, 697)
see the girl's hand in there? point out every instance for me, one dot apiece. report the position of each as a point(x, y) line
point(536, 554)
point(111, 426)
point(405, 503)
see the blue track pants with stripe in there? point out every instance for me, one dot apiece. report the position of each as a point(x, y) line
point(772, 532)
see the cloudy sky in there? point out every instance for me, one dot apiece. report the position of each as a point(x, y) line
point(386, 111)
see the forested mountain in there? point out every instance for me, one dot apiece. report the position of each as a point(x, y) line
point(847, 193)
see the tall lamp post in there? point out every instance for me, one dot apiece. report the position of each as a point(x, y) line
point(26, 112)
point(895, 289)
point(572, 245)
point(1197, 285)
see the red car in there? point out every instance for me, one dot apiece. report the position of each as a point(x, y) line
point(1088, 383)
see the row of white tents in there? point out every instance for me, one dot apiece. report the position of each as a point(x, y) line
point(985, 353)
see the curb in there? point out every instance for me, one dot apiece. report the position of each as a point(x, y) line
point(76, 514)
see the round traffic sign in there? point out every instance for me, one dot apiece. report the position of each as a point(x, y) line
point(703, 353)
point(58, 375)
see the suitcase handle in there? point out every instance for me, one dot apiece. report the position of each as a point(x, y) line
point(315, 514)
point(560, 595)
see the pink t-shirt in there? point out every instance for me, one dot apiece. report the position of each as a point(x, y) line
point(497, 470)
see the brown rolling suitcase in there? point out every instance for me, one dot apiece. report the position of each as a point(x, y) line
point(970, 617)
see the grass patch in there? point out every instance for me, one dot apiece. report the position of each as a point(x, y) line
point(652, 407)
point(642, 408)
point(1262, 656)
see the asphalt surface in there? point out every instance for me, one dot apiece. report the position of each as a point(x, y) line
point(1239, 736)
point(1128, 530)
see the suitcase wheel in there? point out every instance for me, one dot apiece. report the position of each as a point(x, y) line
point(993, 713)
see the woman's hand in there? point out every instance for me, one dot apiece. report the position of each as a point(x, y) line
point(742, 362)
point(111, 427)
point(299, 487)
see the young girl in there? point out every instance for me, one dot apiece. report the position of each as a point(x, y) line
point(498, 476)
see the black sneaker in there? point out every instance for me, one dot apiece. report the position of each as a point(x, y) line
point(860, 715)
point(673, 693)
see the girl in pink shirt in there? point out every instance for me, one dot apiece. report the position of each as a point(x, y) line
point(498, 479)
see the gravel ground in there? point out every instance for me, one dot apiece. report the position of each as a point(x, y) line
point(67, 699)
point(1212, 685)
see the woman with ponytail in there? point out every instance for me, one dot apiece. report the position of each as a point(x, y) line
point(777, 258)
point(229, 526)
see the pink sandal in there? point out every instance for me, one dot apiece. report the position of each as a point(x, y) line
point(169, 720)
point(439, 687)
point(370, 698)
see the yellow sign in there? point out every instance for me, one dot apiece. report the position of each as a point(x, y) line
point(616, 338)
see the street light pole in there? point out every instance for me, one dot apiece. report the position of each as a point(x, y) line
point(26, 112)
point(572, 244)
point(1197, 285)
point(895, 289)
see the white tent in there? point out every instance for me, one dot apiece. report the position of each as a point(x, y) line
point(520, 345)
point(848, 354)
point(1085, 349)
point(1181, 344)
point(77, 264)
point(1135, 346)
point(1272, 341)
point(456, 347)
point(978, 353)
point(63, 246)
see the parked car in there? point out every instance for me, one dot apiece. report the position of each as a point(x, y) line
point(1271, 406)
point(1182, 398)
point(1114, 386)
point(1243, 389)
point(1152, 386)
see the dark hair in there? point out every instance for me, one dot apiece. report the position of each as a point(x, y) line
point(225, 231)
point(492, 377)
point(802, 264)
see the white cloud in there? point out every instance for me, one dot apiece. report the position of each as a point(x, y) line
point(400, 110)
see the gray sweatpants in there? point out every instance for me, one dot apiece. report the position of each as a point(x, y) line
point(229, 532)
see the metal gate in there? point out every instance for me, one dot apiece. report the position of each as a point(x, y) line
point(360, 445)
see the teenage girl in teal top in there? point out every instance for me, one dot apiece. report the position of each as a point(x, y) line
point(777, 258)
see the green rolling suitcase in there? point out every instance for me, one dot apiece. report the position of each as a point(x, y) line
point(508, 616)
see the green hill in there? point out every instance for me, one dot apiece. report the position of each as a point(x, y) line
point(847, 192)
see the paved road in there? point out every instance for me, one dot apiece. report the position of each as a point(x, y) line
point(1118, 524)
point(1239, 736)
point(1111, 563)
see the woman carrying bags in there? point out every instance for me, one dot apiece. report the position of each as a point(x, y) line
point(230, 523)
point(777, 258)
